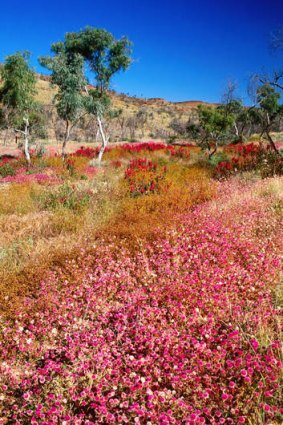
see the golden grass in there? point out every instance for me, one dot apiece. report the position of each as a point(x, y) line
point(145, 217)
point(18, 198)
point(33, 240)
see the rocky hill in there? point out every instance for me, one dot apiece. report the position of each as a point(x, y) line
point(138, 118)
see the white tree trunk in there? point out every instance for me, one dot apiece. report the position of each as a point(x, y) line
point(26, 137)
point(66, 138)
point(97, 135)
point(103, 137)
point(236, 129)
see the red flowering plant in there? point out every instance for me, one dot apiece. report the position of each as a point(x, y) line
point(225, 168)
point(247, 157)
point(7, 168)
point(116, 163)
point(143, 176)
point(144, 146)
point(87, 152)
point(180, 152)
point(250, 157)
point(70, 166)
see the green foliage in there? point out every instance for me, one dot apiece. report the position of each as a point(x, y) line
point(193, 130)
point(105, 55)
point(270, 111)
point(38, 123)
point(65, 196)
point(217, 158)
point(270, 108)
point(212, 129)
point(18, 90)
point(215, 122)
point(171, 139)
point(7, 169)
point(268, 99)
point(2, 118)
point(68, 76)
point(271, 165)
point(97, 103)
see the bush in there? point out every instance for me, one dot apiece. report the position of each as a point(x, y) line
point(66, 196)
point(180, 152)
point(90, 153)
point(171, 139)
point(250, 157)
point(143, 176)
point(6, 169)
point(40, 150)
point(271, 165)
point(217, 158)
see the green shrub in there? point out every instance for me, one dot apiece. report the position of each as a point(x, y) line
point(171, 139)
point(218, 157)
point(271, 165)
point(66, 196)
point(7, 169)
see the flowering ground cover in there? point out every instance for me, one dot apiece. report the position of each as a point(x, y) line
point(248, 157)
point(186, 330)
point(143, 176)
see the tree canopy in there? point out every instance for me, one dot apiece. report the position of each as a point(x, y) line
point(18, 90)
point(68, 75)
point(104, 54)
point(17, 94)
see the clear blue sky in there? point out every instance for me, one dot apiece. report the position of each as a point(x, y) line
point(183, 49)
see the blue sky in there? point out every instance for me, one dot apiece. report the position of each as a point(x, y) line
point(182, 49)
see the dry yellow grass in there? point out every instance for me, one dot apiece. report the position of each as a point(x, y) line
point(146, 217)
point(33, 240)
point(18, 198)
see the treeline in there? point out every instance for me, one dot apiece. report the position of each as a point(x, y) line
point(84, 109)
point(91, 49)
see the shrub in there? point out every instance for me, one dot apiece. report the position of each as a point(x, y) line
point(180, 152)
point(90, 153)
point(7, 169)
point(146, 217)
point(250, 157)
point(218, 158)
point(116, 163)
point(143, 176)
point(66, 196)
point(70, 166)
point(171, 139)
point(271, 165)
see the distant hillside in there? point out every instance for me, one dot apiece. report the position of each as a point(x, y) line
point(139, 118)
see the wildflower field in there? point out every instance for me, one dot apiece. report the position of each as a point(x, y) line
point(146, 291)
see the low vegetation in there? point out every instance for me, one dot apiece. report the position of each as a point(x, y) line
point(146, 291)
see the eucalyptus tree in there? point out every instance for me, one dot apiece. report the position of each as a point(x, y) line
point(212, 128)
point(68, 75)
point(105, 57)
point(243, 116)
point(17, 95)
point(269, 111)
